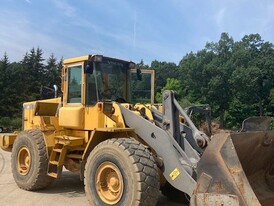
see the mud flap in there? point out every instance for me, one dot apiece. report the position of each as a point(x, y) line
point(236, 169)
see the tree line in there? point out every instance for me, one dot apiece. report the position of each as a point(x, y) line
point(236, 78)
point(21, 82)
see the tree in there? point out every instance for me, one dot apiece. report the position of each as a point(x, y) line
point(4, 88)
point(234, 77)
point(10, 103)
point(172, 84)
point(220, 70)
point(163, 71)
point(254, 66)
point(34, 71)
point(52, 72)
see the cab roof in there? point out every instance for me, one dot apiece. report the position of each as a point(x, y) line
point(90, 57)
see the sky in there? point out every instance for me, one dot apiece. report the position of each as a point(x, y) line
point(163, 30)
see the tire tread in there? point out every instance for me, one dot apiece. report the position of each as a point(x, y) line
point(144, 166)
point(41, 179)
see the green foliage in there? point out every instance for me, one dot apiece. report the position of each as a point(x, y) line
point(175, 85)
point(11, 123)
point(271, 96)
point(164, 70)
point(171, 84)
point(234, 77)
point(141, 90)
point(272, 125)
point(5, 122)
point(21, 82)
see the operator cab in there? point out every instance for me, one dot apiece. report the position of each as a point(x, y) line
point(95, 78)
point(107, 80)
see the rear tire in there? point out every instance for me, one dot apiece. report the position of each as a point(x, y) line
point(1, 129)
point(121, 172)
point(29, 161)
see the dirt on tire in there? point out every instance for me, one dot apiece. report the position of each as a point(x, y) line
point(137, 166)
point(36, 178)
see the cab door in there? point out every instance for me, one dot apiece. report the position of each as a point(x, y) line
point(71, 115)
point(141, 90)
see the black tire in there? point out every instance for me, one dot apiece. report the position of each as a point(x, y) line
point(139, 172)
point(35, 177)
point(174, 195)
point(1, 129)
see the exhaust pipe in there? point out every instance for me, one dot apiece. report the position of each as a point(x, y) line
point(55, 90)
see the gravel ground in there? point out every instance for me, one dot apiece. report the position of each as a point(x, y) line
point(67, 191)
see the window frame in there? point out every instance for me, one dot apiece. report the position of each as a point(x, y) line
point(67, 84)
point(152, 82)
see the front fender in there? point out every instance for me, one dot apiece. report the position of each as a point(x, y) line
point(7, 140)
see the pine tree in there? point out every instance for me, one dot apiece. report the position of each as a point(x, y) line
point(34, 71)
point(4, 86)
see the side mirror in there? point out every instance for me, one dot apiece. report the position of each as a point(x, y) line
point(139, 74)
point(88, 67)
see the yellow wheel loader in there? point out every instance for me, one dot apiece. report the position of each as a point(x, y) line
point(126, 151)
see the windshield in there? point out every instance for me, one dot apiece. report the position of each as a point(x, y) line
point(109, 77)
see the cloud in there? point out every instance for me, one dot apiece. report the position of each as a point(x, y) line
point(18, 37)
point(66, 8)
point(126, 29)
point(219, 17)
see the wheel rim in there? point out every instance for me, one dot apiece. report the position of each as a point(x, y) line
point(23, 160)
point(109, 183)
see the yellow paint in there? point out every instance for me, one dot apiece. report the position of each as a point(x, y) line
point(72, 117)
point(7, 140)
point(32, 114)
point(76, 59)
point(90, 124)
point(174, 174)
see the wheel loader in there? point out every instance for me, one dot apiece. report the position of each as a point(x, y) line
point(106, 128)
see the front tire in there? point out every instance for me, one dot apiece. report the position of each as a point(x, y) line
point(29, 161)
point(121, 172)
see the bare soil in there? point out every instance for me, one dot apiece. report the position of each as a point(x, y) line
point(66, 191)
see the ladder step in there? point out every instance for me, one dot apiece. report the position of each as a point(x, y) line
point(57, 150)
point(53, 174)
point(56, 160)
point(74, 156)
point(69, 141)
point(53, 162)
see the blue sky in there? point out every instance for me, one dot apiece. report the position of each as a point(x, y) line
point(164, 30)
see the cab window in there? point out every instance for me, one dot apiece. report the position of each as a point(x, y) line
point(92, 94)
point(141, 90)
point(74, 84)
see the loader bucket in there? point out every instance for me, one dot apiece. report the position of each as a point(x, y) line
point(236, 169)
